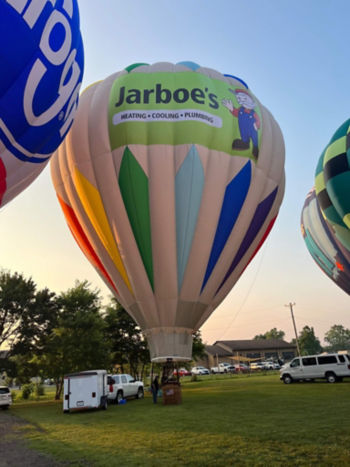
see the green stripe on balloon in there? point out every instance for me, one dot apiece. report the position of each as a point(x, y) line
point(133, 66)
point(337, 177)
point(133, 184)
point(341, 131)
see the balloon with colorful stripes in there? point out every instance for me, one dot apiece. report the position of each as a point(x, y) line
point(332, 183)
point(170, 180)
point(322, 242)
point(41, 63)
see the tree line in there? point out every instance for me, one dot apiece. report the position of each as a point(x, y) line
point(49, 335)
point(336, 338)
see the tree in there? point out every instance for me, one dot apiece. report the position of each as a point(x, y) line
point(77, 342)
point(198, 347)
point(37, 324)
point(128, 344)
point(25, 314)
point(272, 334)
point(309, 344)
point(338, 338)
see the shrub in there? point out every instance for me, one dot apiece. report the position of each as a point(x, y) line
point(27, 390)
point(39, 390)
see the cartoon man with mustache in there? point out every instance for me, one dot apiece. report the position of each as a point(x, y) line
point(248, 120)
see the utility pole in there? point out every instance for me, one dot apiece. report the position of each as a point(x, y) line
point(295, 328)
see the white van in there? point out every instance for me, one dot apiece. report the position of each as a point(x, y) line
point(85, 390)
point(332, 367)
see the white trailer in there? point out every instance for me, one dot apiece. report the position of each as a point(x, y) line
point(85, 390)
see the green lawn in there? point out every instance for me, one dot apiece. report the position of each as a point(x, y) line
point(223, 421)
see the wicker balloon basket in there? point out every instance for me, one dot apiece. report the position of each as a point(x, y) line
point(171, 394)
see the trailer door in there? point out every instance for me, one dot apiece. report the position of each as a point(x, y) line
point(83, 392)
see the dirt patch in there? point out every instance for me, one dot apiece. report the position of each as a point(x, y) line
point(14, 450)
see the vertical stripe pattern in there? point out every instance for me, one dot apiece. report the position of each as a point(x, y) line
point(133, 184)
point(189, 183)
point(321, 241)
point(235, 195)
point(170, 224)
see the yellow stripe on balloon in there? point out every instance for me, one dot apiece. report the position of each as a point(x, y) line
point(90, 86)
point(93, 206)
point(319, 182)
point(346, 220)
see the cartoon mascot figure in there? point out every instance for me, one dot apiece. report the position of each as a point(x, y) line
point(248, 120)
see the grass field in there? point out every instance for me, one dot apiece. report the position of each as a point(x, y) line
point(223, 421)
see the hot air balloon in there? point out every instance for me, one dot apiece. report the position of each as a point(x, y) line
point(321, 240)
point(170, 180)
point(332, 183)
point(41, 59)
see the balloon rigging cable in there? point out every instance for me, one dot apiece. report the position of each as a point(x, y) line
point(227, 328)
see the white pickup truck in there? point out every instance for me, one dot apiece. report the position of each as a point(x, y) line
point(123, 386)
point(223, 368)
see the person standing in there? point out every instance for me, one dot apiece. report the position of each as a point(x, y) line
point(155, 389)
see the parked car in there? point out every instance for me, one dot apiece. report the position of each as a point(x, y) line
point(183, 372)
point(223, 368)
point(123, 386)
point(241, 367)
point(257, 366)
point(332, 367)
point(48, 381)
point(269, 365)
point(199, 370)
point(5, 397)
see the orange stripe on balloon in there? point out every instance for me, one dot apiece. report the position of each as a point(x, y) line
point(2, 180)
point(83, 241)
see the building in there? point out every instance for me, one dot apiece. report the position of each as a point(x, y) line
point(248, 350)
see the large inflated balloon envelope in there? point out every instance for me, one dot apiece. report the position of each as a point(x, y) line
point(170, 192)
point(322, 242)
point(332, 183)
point(42, 61)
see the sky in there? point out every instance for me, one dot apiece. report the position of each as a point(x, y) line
point(294, 56)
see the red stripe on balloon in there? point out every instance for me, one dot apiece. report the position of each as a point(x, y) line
point(269, 227)
point(83, 241)
point(2, 180)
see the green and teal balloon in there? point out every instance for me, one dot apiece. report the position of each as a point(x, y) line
point(323, 245)
point(332, 183)
point(170, 180)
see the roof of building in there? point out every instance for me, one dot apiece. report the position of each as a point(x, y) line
point(250, 344)
point(217, 350)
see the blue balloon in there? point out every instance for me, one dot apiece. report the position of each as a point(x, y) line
point(42, 62)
